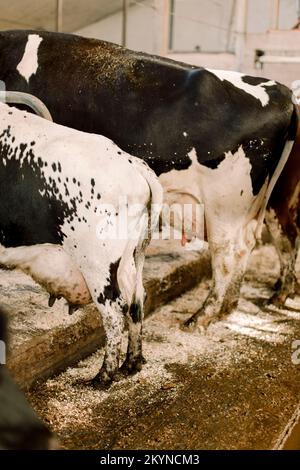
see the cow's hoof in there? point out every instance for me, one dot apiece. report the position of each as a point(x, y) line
point(277, 300)
point(72, 309)
point(51, 301)
point(278, 284)
point(199, 324)
point(132, 366)
point(102, 381)
point(297, 289)
point(189, 325)
point(261, 303)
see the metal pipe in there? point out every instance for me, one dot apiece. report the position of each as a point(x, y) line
point(59, 15)
point(275, 13)
point(171, 25)
point(18, 97)
point(124, 23)
point(277, 6)
point(280, 59)
point(241, 31)
point(230, 27)
point(166, 27)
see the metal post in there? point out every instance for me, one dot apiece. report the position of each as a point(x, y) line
point(230, 27)
point(276, 13)
point(124, 23)
point(166, 27)
point(171, 24)
point(241, 31)
point(297, 25)
point(59, 15)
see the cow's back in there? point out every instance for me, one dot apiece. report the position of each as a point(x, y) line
point(152, 107)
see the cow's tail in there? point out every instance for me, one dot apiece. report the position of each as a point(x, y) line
point(127, 274)
point(18, 97)
point(292, 131)
point(156, 194)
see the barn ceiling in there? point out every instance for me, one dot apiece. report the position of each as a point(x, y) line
point(41, 14)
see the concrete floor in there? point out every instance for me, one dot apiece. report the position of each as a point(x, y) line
point(234, 387)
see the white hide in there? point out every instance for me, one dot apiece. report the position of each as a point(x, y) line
point(236, 78)
point(29, 63)
point(295, 87)
point(226, 191)
point(83, 156)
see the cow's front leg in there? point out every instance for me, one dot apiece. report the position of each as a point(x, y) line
point(229, 252)
point(113, 323)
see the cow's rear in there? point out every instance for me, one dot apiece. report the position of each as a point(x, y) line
point(283, 222)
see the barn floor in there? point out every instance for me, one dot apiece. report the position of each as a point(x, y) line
point(234, 387)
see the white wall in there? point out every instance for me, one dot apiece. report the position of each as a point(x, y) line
point(145, 31)
point(144, 26)
point(274, 42)
point(288, 13)
point(222, 60)
point(202, 25)
point(261, 17)
point(199, 25)
point(141, 28)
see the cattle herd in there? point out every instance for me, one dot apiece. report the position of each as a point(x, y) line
point(126, 126)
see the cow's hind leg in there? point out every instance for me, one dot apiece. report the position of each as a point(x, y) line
point(111, 304)
point(231, 209)
point(113, 322)
point(286, 243)
point(134, 357)
point(230, 250)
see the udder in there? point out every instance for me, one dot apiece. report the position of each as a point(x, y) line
point(51, 267)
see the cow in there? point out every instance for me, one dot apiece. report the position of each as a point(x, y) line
point(222, 135)
point(20, 427)
point(283, 222)
point(77, 213)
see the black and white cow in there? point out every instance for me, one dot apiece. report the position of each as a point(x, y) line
point(20, 428)
point(75, 215)
point(221, 137)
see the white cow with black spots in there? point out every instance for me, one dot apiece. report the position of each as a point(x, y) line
point(75, 214)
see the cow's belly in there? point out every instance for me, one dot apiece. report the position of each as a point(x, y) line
point(182, 202)
point(50, 266)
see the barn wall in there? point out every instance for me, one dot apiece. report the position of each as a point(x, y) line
point(198, 43)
